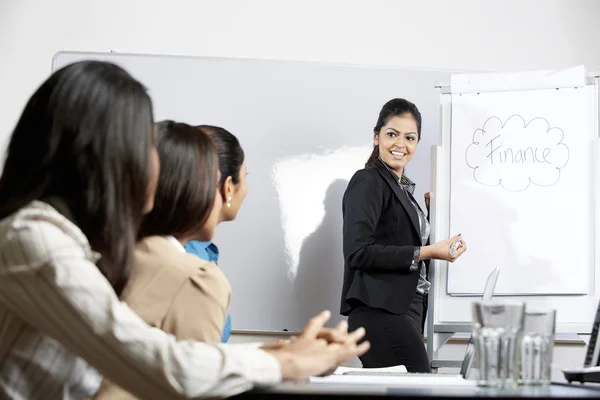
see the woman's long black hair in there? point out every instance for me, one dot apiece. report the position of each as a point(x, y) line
point(84, 137)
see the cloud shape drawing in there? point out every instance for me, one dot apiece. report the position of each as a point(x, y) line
point(516, 154)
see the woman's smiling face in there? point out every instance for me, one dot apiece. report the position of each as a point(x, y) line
point(397, 141)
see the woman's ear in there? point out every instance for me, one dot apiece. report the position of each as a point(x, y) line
point(228, 191)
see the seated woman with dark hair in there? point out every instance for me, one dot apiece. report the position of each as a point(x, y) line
point(194, 294)
point(169, 288)
point(232, 190)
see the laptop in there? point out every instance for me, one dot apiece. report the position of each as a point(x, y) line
point(467, 363)
point(591, 364)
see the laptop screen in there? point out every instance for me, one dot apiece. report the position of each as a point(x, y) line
point(592, 354)
point(488, 293)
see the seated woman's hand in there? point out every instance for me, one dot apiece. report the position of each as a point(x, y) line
point(318, 350)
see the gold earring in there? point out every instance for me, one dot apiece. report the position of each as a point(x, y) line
point(228, 201)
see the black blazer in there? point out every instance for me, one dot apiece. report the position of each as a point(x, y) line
point(381, 230)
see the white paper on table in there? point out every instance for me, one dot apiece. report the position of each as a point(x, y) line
point(398, 368)
point(398, 380)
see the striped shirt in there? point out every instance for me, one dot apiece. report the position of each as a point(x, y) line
point(62, 327)
point(408, 187)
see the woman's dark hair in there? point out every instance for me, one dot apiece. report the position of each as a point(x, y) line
point(394, 108)
point(231, 155)
point(187, 183)
point(84, 138)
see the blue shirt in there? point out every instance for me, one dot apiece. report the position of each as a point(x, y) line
point(210, 252)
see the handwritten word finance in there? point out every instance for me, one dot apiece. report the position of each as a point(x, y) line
point(500, 154)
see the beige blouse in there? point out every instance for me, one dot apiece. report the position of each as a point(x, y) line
point(177, 292)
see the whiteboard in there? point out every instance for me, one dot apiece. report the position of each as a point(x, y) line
point(305, 128)
point(521, 190)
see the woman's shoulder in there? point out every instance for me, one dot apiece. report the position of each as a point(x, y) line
point(160, 267)
point(366, 176)
point(159, 255)
point(39, 232)
point(209, 274)
point(41, 215)
point(159, 250)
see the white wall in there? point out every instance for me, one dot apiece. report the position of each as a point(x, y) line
point(429, 34)
point(435, 34)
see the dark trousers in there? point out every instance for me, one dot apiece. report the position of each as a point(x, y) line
point(395, 339)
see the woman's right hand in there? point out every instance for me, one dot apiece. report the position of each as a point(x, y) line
point(308, 355)
point(441, 250)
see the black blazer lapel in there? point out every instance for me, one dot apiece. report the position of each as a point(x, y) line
point(404, 200)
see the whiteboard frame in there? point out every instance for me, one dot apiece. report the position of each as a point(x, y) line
point(103, 54)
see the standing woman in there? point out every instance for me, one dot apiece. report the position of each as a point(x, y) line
point(385, 241)
point(233, 189)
